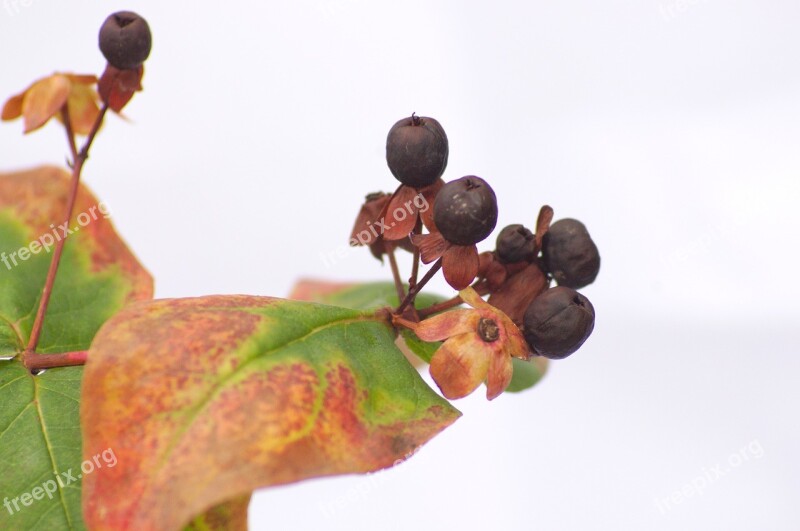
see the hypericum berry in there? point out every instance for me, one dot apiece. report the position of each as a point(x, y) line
point(515, 243)
point(125, 40)
point(465, 211)
point(557, 322)
point(417, 150)
point(570, 255)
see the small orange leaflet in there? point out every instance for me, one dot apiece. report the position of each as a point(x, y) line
point(46, 97)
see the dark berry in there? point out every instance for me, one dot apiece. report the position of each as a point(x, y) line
point(417, 150)
point(515, 243)
point(125, 40)
point(570, 255)
point(557, 322)
point(465, 211)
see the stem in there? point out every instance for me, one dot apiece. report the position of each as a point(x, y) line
point(481, 287)
point(73, 148)
point(412, 292)
point(398, 284)
point(405, 323)
point(47, 291)
point(415, 261)
point(50, 361)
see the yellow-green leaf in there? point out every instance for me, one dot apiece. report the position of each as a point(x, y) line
point(204, 400)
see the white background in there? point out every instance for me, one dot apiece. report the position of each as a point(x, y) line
point(669, 127)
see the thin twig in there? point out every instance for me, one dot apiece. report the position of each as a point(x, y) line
point(405, 323)
point(47, 291)
point(412, 292)
point(73, 148)
point(50, 361)
point(481, 287)
point(398, 283)
point(415, 261)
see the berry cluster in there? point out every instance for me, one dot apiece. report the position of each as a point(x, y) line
point(458, 214)
point(556, 321)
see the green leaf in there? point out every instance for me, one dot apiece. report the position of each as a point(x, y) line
point(229, 516)
point(369, 296)
point(423, 349)
point(527, 373)
point(204, 400)
point(39, 416)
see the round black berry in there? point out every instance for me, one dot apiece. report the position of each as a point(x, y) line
point(465, 211)
point(570, 255)
point(417, 150)
point(557, 322)
point(515, 243)
point(125, 40)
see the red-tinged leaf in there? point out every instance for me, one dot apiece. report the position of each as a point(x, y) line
point(204, 400)
point(229, 516)
point(318, 290)
point(43, 100)
point(40, 438)
point(117, 87)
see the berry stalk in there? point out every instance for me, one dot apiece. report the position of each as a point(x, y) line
point(412, 292)
point(481, 287)
point(398, 283)
point(415, 260)
point(29, 358)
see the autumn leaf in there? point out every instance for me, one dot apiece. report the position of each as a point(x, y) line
point(358, 296)
point(40, 437)
point(370, 296)
point(204, 400)
point(45, 98)
point(373, 295)
point(228, 516)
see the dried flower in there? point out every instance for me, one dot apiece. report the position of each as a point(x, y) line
point(369, 227)
point(478, 346)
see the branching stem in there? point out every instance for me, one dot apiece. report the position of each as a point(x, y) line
point(30, 358)
point(416, 288)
